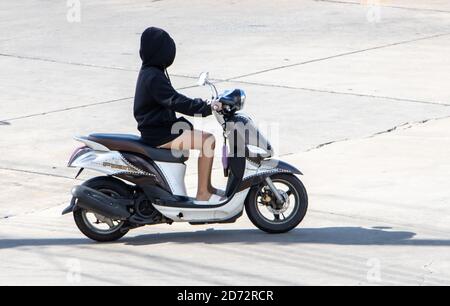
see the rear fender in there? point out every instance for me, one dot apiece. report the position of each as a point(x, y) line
point(91, 144)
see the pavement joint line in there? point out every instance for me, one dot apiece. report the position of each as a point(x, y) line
point(219, 81)
point(48, 60)
point(383, 5)
point(31, 212)
point(6, 121)
point(406, 125)
point(342, 93)
point(338, 56)
point(230, 80)
point(32, 58)
point(236, 78)
point(37, 173)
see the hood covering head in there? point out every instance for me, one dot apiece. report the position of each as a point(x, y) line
point(157, 48)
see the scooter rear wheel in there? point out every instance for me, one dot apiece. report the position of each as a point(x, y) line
point(267, 215)
point(97, 227)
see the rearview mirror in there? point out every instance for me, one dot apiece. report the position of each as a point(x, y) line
point(203, 79)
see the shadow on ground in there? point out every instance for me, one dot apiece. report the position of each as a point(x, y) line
point(332, 235)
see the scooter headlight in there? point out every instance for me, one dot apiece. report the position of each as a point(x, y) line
point(233, 99)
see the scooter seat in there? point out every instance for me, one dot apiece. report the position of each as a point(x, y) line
point(134, 144)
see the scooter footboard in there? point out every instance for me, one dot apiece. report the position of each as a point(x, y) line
point(205, 213)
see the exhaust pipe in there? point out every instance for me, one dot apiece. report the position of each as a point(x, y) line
point(99, 203)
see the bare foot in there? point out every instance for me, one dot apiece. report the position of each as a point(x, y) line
point(204, 196)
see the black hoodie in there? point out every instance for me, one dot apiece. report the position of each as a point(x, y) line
point(156, 101)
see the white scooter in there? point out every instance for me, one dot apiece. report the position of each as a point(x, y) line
point(144, 185)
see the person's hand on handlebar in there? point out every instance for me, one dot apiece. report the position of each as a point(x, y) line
point(215, 105)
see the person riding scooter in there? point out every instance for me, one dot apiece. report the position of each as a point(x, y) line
point(142, 179)
point(156, 103)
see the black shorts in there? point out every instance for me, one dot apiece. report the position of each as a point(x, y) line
point(160, 135)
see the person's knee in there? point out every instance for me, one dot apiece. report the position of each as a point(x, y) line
point(208, 138)
point(209, 143)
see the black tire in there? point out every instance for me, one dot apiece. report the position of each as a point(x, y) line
point(299, 212)
point(101, 184)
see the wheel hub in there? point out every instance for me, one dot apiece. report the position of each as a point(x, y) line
point(271, 202)
point(102, 219)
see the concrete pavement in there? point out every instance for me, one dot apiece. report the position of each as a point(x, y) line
point(361, 106)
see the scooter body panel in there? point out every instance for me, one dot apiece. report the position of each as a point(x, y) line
point(174, 174)
point(107, 162)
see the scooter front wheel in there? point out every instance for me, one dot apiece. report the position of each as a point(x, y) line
point(272, 217)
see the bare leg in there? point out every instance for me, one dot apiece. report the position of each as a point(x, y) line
point(205, 143)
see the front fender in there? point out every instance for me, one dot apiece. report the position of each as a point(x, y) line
point(278, 166)
point(267, 168)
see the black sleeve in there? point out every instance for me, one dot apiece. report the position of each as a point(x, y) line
point(163, 93)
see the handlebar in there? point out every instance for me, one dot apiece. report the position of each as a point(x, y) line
point(215, 96)
point(214, 91)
